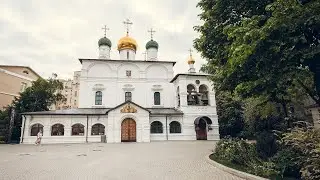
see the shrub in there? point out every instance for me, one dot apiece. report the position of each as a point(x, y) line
point(287, 163)
point(266, 144)
point(236, 151)
point(305, 143)
point(239, 152)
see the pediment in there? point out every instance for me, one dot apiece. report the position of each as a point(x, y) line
point(129, 107)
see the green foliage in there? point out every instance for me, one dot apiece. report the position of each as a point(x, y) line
point(306, 144)
point(38, 97)
point(266, 144)
point(243, 155)
point(287, 164)
point(230, 115)
point(266, 49)
point(236, 151)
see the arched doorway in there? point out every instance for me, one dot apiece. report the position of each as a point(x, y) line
point(128, 130)
point(201, 129)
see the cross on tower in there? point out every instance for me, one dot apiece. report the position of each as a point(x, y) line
point(151, 31)
point(190, 50)
point(127, 23)
point(105, 30)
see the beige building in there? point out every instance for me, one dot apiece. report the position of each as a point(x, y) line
point(13, 80)
point(70, 92)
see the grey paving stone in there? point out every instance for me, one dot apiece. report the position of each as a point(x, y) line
point(156, 160)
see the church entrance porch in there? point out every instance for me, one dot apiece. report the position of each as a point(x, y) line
point(128, 130)
point(201, 127)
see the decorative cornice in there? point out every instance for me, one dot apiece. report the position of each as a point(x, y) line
point(157, 87)
point(128, 87)
point(98, 87)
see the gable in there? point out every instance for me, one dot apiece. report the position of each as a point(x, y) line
point(128, 107)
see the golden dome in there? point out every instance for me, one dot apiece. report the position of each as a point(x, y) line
point(127, 43)
point(191, 60)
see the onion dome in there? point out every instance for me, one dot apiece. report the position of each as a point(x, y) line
point(191, 60)
point(152, 44)
point(104, 41)
point(127, 43)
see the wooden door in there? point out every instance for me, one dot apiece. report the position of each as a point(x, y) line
point(128, 130)
point(201, 130)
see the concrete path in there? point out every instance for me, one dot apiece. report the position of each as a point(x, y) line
point(156, 160)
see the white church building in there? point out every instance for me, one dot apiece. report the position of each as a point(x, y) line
point(131, 100)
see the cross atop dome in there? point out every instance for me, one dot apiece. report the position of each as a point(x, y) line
point(151, 31)
point(105, 30)
point(127, 23)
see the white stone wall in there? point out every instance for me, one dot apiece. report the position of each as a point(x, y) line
point(123, 54)
point(152, 54)
point(115, 119)
point(48, 121)
point(104, 52)
point(193, 112)
point(146, 78)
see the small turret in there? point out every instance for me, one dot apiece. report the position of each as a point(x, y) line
point(104, 46)
point(152, 48)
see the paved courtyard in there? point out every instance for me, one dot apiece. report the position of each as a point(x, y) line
point(156, 160)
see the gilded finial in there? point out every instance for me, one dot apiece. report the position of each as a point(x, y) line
point(127, 23)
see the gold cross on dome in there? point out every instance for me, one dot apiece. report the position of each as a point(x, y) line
point(151, 31)
point(105, 30)
point(127, 23)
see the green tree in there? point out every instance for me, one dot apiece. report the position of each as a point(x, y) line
point(230, 113)
point(38, 97)
point(271, 52)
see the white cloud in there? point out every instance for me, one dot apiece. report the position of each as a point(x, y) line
point(50, 36)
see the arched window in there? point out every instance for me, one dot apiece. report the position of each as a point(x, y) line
point(127, 55)
point(192, 95)
point(98, 98)
point(175, 127)
point(156, 127)
point(57, 130)
point(77, 130)
point(35, 129)
point(97, 129)
point(156, 98)
point(203, 90)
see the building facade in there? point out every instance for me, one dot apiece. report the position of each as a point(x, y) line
point(13, 80)
point(129, 100)
point(70, 92)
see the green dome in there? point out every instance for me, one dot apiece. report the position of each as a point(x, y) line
point(104, 41)
point(152, 44)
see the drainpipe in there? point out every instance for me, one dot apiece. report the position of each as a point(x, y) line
point(87, 129)
point(24, 126)
point(167, 127)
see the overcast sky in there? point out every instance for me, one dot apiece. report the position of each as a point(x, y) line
point(50, 36)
